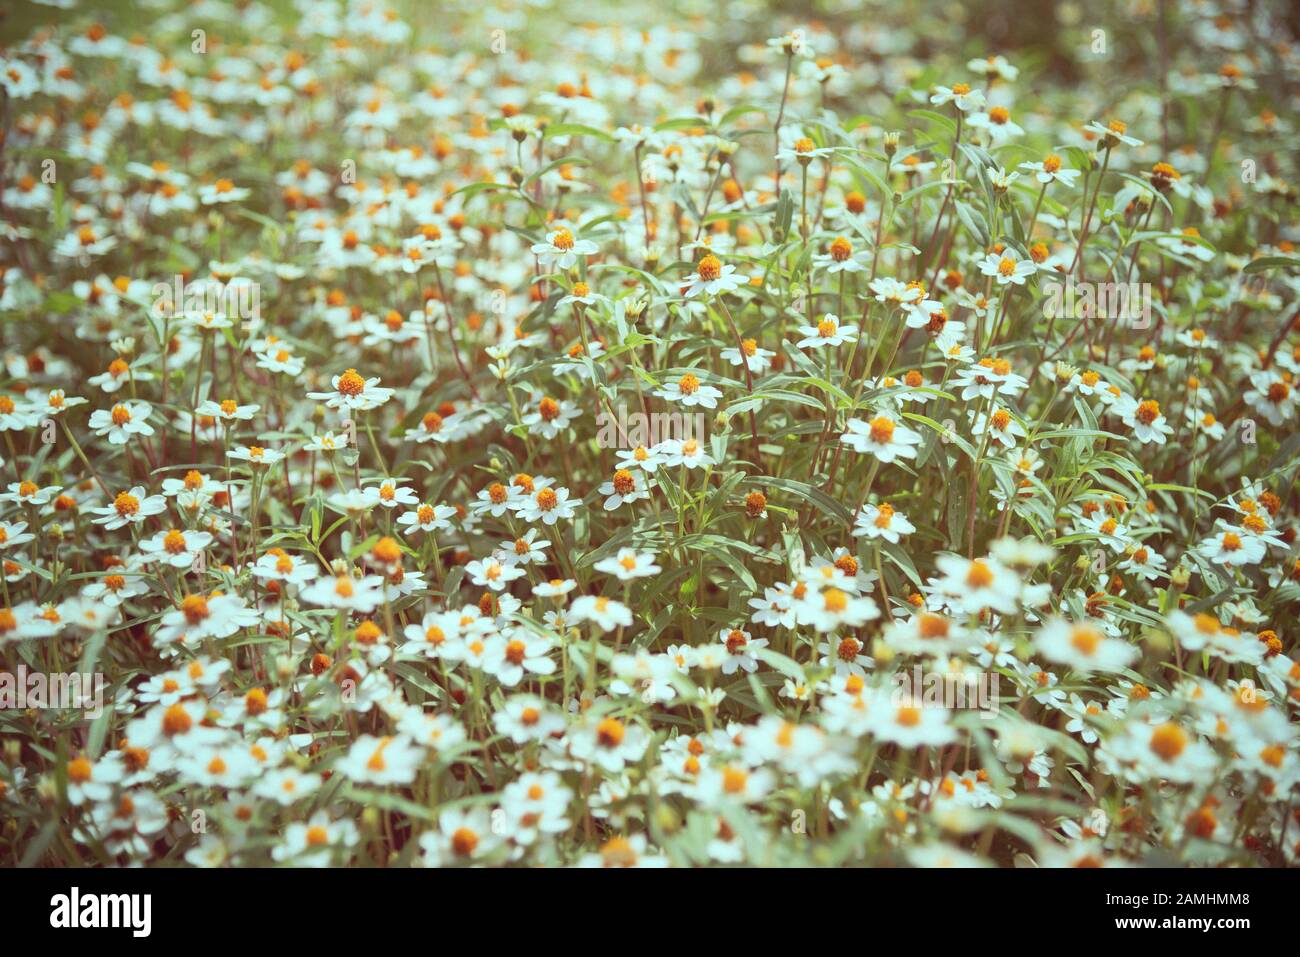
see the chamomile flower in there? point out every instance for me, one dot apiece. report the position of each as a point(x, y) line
point(689, 391)
point(960, 95)
point(749, 355)
point(222, 191)
point(827, 332)
point(882, 521)
point(1052, 170)
point(177, 548)
point(713, 278)
point(1007, 268)
point(510, 657)
point(122, 421)
point(883, 437)
point(561, 250)
point(493, 573)
point(128, 508)
point(427, 518)
point(603, 612)
point(354, 393)
point(628, 564)
point(548, 418)
point(392, 759)
point(547, 505)
point(1082, 647)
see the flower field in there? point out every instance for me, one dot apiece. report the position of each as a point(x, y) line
point(664, 435)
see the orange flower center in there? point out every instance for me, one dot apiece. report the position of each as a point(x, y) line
point(351, 384)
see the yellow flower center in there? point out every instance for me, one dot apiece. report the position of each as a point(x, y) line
point(610, 733)
point(351, 384)
point(1085, 640)
point(1168, 741)
point(834, 601)
point(709, 268)
point(979, 575)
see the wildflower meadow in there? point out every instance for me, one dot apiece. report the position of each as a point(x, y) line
point(649, 435)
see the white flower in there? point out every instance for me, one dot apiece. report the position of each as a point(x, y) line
point(255, 455)
point(998, 124)
point(561, 250)
point(1112, 134)
point(882, 437)
point(608, 743)
point(547, 505)
point(908, 723)
point(389, 494)
point(492, 573)
point(524, 718)
point(508, 657)
point(222, 191)
point(344, 591)
point(1007, 268)
point(549, 418)
point(1145, 419)
point(712, 277)
point(688, 391)
point(122, 421)
point(227, 411)
point(973, 585)
point(959, 95)
point(131, 507)
point(1233, 546)
point(740, 646)
point(176, 548)
point(687, 452)
point(276, 565)
point(1051, 170)
point(831, 607)
point(351, 391)
point(426, 518)
point(629, 564)
point(827, 332)
point(755, 359)
point(1082, 647)
point(882, 521)
point(604, 612)
point(381, 761)
point(316, 842)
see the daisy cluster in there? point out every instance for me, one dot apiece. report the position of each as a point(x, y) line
point(934, 369)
